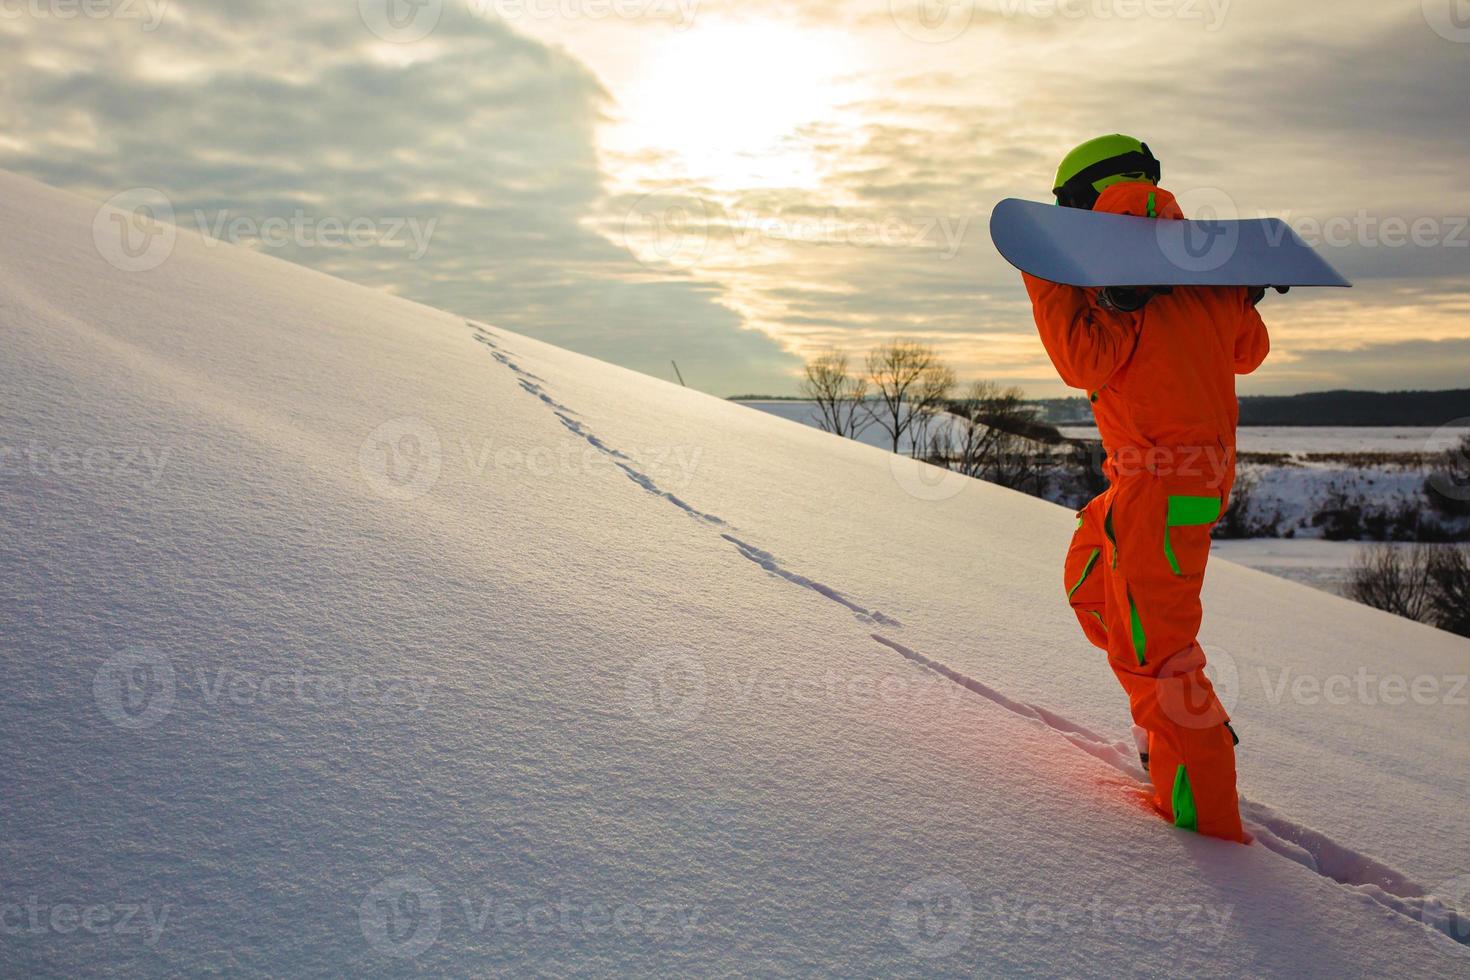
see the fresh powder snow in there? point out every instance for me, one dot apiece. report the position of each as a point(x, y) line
point(344, 636)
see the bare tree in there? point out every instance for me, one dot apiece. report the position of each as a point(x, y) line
point(996, 437)
point(910, 385)
point(838, 394)
point(927, 409)
point(1396, 579)
point(1449, 572)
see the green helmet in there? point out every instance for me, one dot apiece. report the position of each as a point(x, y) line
point(1100, 163)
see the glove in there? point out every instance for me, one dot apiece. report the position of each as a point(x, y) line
point(1258, 293)
point(1125, 299)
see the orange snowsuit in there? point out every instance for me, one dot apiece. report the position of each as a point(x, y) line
point(1162, 385)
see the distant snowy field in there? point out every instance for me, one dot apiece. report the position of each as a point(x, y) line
point(1324, 565)
point(344, 637)
point(1300, 440)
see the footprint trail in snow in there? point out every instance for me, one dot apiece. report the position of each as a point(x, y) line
point(1356, 872)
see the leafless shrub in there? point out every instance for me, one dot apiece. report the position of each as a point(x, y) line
point(838, 394)
point(910, 385)
point(1449, 574)
point(1395, 579)
point(999, 438)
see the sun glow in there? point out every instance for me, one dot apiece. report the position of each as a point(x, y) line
point(725, 102)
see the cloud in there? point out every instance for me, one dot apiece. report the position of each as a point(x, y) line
point(475, 143)
point(1422, 364)
point(1349, 119)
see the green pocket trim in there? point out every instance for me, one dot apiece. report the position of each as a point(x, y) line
point(1108, 530)
point(1191, 511)
point(1185, 816)
point(1186, 511)
point(1086, 571)
point(1140, 643)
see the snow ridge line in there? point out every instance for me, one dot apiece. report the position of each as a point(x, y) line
point(623, 461)
point(1313, 850)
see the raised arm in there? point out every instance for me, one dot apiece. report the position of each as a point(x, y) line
point(1086, 343)
point(1252, 343)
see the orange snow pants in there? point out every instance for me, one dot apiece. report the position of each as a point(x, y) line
point(1133, 577)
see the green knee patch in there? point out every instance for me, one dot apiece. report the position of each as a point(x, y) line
point(1185, 816)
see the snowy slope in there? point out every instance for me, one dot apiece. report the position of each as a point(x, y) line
point(345, 637)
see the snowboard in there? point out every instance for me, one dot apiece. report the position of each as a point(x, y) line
point(1094, 249)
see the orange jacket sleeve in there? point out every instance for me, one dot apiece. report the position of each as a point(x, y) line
point(1252, 343)
point(1085, 342)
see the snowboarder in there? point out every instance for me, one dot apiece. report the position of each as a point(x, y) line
point(1159, 367)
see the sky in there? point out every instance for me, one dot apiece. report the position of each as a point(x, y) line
point(736, 185)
